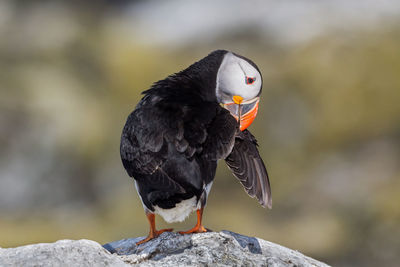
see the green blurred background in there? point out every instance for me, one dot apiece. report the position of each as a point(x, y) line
point(328, 124)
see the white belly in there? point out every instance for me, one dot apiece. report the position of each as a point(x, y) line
point(181, 211)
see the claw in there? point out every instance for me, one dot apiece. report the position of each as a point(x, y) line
point(199, 228)
point(196, 229)
point(153, 235)
point(153, 232)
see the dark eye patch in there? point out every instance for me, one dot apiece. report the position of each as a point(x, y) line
point(250, 80)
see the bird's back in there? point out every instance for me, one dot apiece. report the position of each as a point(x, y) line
point(171, 148)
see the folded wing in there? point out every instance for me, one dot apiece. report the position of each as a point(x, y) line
point(247, 165)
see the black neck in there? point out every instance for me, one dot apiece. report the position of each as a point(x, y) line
point(195, 83)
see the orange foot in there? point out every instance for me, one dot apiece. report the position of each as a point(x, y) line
point(196, 229)
point(199, 228)
point(153, 235)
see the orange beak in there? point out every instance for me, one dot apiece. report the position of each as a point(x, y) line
point(243, 111)
point(248, 118)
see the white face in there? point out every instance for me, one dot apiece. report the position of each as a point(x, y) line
point(236, 77)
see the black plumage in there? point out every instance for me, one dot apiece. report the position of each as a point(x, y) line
point(173, 139)
point(247, 165)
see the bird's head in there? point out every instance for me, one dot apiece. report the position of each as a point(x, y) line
point(238, 88)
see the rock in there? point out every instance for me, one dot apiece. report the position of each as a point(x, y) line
point(61, 253)
point(170, 249)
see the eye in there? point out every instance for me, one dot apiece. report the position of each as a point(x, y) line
point(250, 80)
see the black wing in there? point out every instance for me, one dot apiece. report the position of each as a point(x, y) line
point(247, 165)
point(161, 138)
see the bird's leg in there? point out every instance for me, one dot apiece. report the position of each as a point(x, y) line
point(153, 232)
point(199, 228)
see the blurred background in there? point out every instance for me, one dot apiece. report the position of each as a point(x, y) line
point(328, 124)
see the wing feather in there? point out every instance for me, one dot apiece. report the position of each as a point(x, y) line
point(158, 133)
point(247, 165)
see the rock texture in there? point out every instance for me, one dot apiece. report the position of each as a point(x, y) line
point(61, 253)
point(170, 249)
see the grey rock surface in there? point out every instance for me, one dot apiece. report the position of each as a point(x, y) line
point(61, 253)
point(170, 249)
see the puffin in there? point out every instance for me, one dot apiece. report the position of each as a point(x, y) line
point(180, 129)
